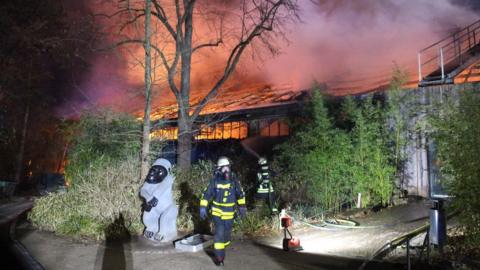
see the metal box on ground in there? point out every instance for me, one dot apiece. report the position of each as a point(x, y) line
point(194, 242)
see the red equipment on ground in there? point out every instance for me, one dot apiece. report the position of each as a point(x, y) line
point(290, 243)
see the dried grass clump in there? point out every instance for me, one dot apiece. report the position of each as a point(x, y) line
point(99, 196)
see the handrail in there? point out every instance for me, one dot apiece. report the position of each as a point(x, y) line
point(447, 37)
point(447, 50)
point(399, 240)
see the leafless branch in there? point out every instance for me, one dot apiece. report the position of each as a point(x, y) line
point(133, 20)
point(268, 11)
point(211, 44)
point(171, 75)
point(162, 17)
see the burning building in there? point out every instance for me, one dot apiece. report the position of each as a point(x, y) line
point(238, 115)
point(338, 45)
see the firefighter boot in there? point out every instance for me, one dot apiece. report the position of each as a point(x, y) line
point(219, 261)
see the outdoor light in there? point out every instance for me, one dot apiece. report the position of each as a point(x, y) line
point(438, 195)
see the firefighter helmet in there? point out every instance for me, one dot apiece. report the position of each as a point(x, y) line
point(223, 161)
point(262, 161)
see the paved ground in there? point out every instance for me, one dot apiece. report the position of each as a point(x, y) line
point(9, 211)
point(55, 252)
point(323, 249)
point(378, 229)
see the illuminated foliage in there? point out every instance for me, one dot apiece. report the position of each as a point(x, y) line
point(103, 168)
point(326, 166)
point(102, 137)
point(456, 129)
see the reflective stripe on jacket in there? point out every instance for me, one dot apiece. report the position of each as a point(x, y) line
point(263, 178)
point(224, 195)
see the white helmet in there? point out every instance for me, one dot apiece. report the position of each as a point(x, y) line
point(223, 161)
point(262, 161)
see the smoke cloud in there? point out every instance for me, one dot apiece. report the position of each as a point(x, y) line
point(350, 45)
point(353, 45)
point(470, 4)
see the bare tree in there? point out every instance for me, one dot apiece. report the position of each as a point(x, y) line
point(148, 84)
point(236, 25)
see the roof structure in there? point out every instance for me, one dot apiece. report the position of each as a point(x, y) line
point(240, 99)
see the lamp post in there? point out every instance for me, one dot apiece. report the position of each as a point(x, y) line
point(438, 196)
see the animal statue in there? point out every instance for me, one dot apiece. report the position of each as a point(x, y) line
point(160, 211)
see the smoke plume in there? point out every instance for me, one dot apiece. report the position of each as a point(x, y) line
point(350, 45)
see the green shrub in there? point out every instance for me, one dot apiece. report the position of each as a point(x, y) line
point(372, 173)
point(103, 167)
point(258, 223)
point(456, 131)
point(187, 192)
point(324, 166)
point(101, 137)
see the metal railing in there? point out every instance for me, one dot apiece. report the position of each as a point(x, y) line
point(435, 60)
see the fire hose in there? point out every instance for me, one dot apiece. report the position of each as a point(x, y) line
point(341, 223)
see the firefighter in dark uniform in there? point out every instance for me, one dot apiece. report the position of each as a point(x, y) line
point(264, 185)
point(225, 193)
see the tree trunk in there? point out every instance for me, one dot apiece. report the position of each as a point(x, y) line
point(184, 147)
point(19, 169)
point(146, 117)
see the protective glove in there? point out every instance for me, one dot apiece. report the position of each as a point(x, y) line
point(243, 211)
point(203, 213)
point(153, 202)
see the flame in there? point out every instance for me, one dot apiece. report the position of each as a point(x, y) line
point(470, 74)
point(228, 130)
point(274, 129)
point(220, 131)
point(62, 166)
point(68, 182)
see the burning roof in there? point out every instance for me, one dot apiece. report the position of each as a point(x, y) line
point(236, 98)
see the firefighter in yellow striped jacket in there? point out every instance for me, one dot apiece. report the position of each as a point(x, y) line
point(264, 184)
point(225, 194)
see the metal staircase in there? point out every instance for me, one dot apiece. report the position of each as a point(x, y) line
point(440, 62)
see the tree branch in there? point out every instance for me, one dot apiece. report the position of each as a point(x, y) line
point(133, 20)
point(162, 17)
point(211, 44)
point(109, 16)
point(171, 76)
point(265, 24)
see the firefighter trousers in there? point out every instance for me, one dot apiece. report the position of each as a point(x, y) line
point(268, 197)
point(223, 230)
